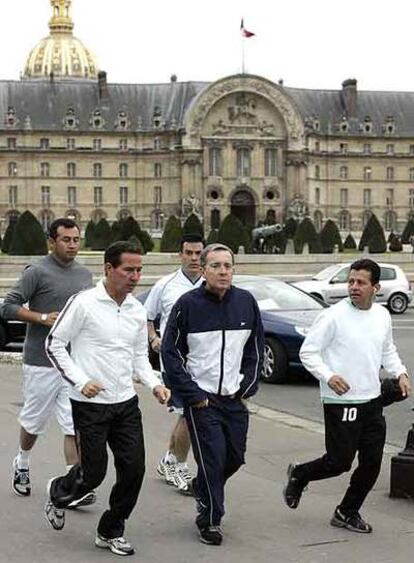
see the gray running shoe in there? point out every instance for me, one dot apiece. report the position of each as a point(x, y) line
point(119, 546)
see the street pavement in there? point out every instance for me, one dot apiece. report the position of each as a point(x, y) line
point(257, 527)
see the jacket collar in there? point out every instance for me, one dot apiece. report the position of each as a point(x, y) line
point(213, 296)
point(103, 295)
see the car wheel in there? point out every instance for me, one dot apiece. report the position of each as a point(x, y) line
point(275, 364)
point(3, 336)
point(397, 303)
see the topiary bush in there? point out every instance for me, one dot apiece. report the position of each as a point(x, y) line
point(8, 236)
point(233, 233)
point(193, 226)
point(172, 235)
point(290, 227)
point(306, 233)
point(373, 236)
point(28, 237)
point(330, 237)
point(212, 237)
point(102, 237)
point(350, 243)
point(89, 233)
point(408, 231)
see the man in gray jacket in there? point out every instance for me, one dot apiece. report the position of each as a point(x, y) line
point(45, 286)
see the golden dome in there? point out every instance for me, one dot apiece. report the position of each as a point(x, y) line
point(61, 53)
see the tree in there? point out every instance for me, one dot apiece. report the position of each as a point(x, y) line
point(350, 243)
point(89, 233)
point(212, 237)
point(290, 227)
point(330, 237)
point(8, 236)
point(193, 226)
point(102, 235)
point(28, 237)
point(129, 227)
point(146, 241)
point(233, 233)
point(172, 235)
point(373, 236)
point(306, 233)
point(408, 231)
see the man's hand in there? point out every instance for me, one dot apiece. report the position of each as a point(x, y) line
point(162, 394)
point(156, 344)
point(50, 319)
point(92, 388)
point(405, 384)
point(338, 384)
point(201, 404)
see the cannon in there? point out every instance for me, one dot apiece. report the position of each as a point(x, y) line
point(261, 236)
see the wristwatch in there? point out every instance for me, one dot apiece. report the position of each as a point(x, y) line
point(43, 317)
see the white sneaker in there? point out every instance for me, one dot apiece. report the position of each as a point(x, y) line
point(183, 479)
point(86, 500)
point(20, 480)
point(167, 470)
point(119, 546)
point(54, 516)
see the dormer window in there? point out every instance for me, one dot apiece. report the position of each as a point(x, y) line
point(367, 127)
point(344, 126)
point(11, 119)
point(97, 121)
point(122, 121)
point(157, 118)
point(70, 121)
point(389, 126)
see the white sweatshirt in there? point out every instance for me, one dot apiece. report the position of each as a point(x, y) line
point(108, 342)
point(354, 344)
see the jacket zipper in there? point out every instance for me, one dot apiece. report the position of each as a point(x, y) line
point(223, 344)
point(118, 312)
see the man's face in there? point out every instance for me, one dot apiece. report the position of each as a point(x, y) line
point(124, 278)
point(190, 258)
point(218, 271)
point(360, 288)
point(66, 245)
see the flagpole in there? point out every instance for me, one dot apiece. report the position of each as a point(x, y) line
point(243, 60)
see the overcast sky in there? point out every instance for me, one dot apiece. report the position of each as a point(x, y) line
point(308, 43)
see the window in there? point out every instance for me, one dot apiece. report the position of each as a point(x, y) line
point(343, 172)
point(243, 162)
point(214, 161)
point(45, 194)
point(389, 196)
point(343, 148)
point(411, 197)
point(123, 144)
point(367, 197)
point(12, 196)
point(390, 173)
point(123, 170)
point(157, 170)
point(317, 196)
point(44, 143)
point(270, 162)
point(71, 169)
point(365, 218)
point(11, 143)
point(123, 195)
point(97, 170)
point(215, 219)
point(317, 172)
point(97, 144)
point(367, 148)
point(97, 195)
point(412, 174)
point(157, 195)
point(317, 146)
point(44, 169)
point(46, 219)
point(72, 196)
point(12, 168)
point(317, 220)
point(390, 220)
point(367, 173)
point(70, 144)
point(344, 221)
point(411, 150)
point(344, 197)
point(157, 220)
point(157, 144)
point(390, 149)
point(387, 274)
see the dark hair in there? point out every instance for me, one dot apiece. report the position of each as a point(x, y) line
point(115, 250)
point(61, 222)
point(191, 237)
point(213, 248)
point(370, 266)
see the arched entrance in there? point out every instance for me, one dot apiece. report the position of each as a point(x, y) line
point(242, 205)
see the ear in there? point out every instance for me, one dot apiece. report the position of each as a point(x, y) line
point(377, 287)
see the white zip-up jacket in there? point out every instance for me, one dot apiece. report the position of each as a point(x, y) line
point(108, 343)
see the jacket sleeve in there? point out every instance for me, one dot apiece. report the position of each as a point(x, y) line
point(174, 350)
point(390, 358)
point(142, 367)
point(252, 361)
point(320, 335)
point(21, 293)
point(68, 325)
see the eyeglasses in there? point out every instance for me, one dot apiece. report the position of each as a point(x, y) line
point(218, 265)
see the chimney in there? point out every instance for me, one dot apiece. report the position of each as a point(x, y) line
point(102, 85)
point(349, 97)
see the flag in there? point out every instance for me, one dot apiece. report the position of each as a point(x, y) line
point(244, 31)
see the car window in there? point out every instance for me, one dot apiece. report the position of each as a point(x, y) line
point(387, 274)
point(341, 276)
point(326, 273)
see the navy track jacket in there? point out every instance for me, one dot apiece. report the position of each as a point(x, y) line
point(213, 346)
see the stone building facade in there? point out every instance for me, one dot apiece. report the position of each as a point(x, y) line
point(71, 143)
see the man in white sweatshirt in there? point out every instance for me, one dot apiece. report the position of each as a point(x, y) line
point(345, 349)
point(106, 328)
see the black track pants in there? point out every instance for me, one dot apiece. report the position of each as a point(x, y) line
point(97, 425)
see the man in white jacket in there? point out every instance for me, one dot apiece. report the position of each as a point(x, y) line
point(345, 349)
point(106, 328)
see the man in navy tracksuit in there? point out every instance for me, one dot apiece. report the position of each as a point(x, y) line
point(213, 352)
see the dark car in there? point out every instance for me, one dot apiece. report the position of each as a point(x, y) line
point(287, 313)
point(11, 331)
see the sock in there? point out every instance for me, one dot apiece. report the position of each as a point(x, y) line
point(169, 457)
point(23, 459)
point(68, 468)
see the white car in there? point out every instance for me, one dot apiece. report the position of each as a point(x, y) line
point(331, 286)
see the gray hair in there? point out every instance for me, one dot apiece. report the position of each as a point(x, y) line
point(213, 248)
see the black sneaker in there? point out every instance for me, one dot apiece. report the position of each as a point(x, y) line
point(86, 500)
point(293, 489)
point(211, 535)
point(352, 522)
point(119, 546)
point(20, 480)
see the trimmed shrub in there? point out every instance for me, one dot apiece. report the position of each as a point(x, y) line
point(116, 231)
point(233, 233)
point(129, 227)
point(290, 227)
point(373, 236)
point(146, 241)
point(212, 237)
point(135, 240)
point(350, 243)
point(306, 233)
point(395, 243)
point(89, 233)
point(102, 237)
point(193, 226)
point(28, 237)
point(408, 231)
point(330, 237)
point(8, 236)
point(172, 235)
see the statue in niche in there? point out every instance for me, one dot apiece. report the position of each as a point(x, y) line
point(191, 205)
point(298, 208)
